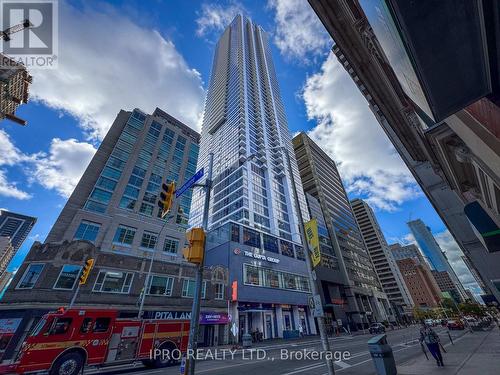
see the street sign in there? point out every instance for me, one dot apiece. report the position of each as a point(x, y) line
point(315, 306)
point(311, 228)
point(234, 330)
point(189, 183)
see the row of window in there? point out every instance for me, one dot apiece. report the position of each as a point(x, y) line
point(115, 282)
point(124, 236)
point(267, 277)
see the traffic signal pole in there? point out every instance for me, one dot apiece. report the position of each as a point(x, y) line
point(311, 272)
point(195, 311)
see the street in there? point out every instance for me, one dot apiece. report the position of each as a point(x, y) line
point(267, 359)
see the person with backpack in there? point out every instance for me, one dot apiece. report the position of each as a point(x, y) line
point(431, 339)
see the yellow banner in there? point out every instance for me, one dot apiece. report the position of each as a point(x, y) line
point(311, 228)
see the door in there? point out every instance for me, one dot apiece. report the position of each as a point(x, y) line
point(269, 326)
point(243, 324)
point(287, 321)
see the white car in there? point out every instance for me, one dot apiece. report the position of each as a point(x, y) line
point(429, 322)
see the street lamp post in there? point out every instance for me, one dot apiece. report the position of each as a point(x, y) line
point(195, 311)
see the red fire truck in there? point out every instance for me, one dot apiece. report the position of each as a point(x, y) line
point(65, 341)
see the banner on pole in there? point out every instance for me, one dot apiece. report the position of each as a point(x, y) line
point(313, 241)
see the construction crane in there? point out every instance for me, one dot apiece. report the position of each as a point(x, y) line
point(16, 28)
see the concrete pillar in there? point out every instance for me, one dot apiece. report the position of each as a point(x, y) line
point(312, 324)
point(279, 321)
point(295, 316)
point(235, 318)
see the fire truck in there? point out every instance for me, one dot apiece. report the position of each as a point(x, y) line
point(65, 341)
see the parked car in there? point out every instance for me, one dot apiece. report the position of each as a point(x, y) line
point(429, 322)
point(377, 328)
point(455, 324)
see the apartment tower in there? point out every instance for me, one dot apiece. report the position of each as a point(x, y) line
point(245, 128)
point(385, 265)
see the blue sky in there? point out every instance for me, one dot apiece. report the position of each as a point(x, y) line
point(126, 54)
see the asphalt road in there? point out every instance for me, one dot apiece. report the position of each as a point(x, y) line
point(296, 357)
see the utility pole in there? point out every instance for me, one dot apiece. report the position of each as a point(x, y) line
point(195, 311)
point(312, 273)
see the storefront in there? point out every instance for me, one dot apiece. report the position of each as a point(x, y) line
point(269, 282)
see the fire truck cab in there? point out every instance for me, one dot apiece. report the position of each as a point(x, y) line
point(65, 341)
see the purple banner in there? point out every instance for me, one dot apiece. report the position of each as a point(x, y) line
point(214, 318)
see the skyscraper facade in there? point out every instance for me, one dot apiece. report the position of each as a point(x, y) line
point(112, 216)
point(385, 265)
point(245, 128)
point(16, 227)
point(432, 251)
point(253, 222)
point(320, 178)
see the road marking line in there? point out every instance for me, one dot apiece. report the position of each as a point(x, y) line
point(343, 364)
point(304, 369)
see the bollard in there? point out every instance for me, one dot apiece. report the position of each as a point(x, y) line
point(382, 356)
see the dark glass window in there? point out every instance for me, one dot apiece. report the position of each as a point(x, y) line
point(101, 325)
point(251, 237)
point(270, 243)
point(286, 248)
point(235, 233)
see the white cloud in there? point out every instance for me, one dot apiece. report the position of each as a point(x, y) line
point(63, 166)
point(214, 17)
point(9, 156)
point(299, 32)
point(348, 131)
point(59, 169)
point(107, 63)
point(10, 190)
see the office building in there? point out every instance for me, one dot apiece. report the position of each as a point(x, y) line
point(419, 280)
point(245, 128)
point(385, 265)
point(113, 217)
point(442, 117)
point(253, 219)
point(437, 259)
point(14, 88)
point(446, 285)
point(5, 278)
point(16, 227)
point(6, 253)
point(408, 251)
point(320, 178)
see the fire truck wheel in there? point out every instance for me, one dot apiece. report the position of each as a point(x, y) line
point(68, 364)
point(159, 362)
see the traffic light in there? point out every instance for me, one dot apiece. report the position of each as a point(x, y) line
point(234, 291)
point(89, 263)
point(166, 198)
point(193, 253)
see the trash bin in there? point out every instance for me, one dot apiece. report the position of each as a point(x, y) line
point(247, 340)
point(382, 356)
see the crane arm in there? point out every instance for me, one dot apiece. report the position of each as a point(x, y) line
point(16, 28)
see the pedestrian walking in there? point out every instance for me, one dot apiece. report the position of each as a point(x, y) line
point(431, 340)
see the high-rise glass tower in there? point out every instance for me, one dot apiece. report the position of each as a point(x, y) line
point(245, 128)
point(431, 249)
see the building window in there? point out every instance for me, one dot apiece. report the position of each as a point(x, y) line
point(270, 243)
point(149, 240)
point(252, 275)
point(87, 231)
point(251, 237)
point(113, 282)
point(124, 235)
point(68, 276)
point(286, 248)
point(188, 288)
point(171, 245)
point(161, 286)
point(219, 291)
point(30, 276)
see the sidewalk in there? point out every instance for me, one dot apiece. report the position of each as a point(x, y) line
point(474, 353)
